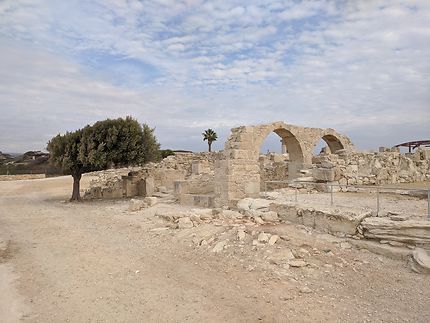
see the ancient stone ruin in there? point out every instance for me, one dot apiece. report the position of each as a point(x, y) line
point(238, 172)
point(239, 178)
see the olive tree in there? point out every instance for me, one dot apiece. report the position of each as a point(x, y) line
point(118, 142)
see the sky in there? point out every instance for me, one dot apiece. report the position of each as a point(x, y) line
point(361, 67)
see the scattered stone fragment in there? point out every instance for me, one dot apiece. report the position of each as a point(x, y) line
point(241, 234)
point(229, 214)
point(273, 239)
point(305, 290)
point(150, 200)
point(420, 261)
point(219, 246)
point(286, 297)
point(185, 223)
point(258, 220)
point(345, 245)
point(297, 263)
point(302, 253)
point(263, 237)
point(396, 244)
point(196, 241)
point(136, 205)
point(270, 216)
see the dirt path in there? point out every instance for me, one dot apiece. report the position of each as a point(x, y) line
point(97, 262)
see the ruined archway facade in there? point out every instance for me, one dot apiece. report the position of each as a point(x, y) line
point(237, 175)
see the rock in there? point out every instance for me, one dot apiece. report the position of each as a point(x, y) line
point(185, 223)
point(150, 200)
point(420, 261)
point(273, 239)
point(136, 205)
point(297, 263)
point(302, 253)
point(345, 245)
point(415, 232)
point(270, 216)
point(258, 204)
point(244, 204)
point(204, 214)
point(196, 241)
point(163, 189)
point(258, 220)
point(305, 290)
point(195, 218)
point(284, 255)
point(168, 215)
point(241, 234)
point(263, 237)
point(229, 214)
point(219, 246)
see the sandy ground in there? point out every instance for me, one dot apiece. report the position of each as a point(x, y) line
point(98, 262)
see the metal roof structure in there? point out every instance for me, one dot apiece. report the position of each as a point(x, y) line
point(414, 144)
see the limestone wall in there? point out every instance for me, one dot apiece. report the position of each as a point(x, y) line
point(128, 182)
point(360, 168)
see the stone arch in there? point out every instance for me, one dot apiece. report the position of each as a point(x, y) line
point(333, 143)
point(334, 140)
point(237, 173)
point(290, 140)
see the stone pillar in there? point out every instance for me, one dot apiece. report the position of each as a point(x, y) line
point(283, 147)
point(145, 187)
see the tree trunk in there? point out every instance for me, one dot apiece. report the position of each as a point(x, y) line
point(76, 196)
point(210, 146)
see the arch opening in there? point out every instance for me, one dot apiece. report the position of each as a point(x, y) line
point(333, 144)
point(281, 158)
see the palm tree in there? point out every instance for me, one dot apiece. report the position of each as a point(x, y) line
point(210, 136)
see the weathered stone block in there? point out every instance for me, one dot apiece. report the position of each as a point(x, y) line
point(323, 174)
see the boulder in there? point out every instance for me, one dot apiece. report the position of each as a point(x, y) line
point(415, 232)
point(269, 216)
point(273, 239)
point(420, 261)
point(229, 214)
point(150, 200)
point(185, 223)
point(136, 205)
point(219, 246)
point(263, 237)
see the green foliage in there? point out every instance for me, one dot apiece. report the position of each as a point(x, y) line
point(167, 152)
point(210, 136)
point(108, 143)
point(118, 142)
point(151, 148)
point(64, 150)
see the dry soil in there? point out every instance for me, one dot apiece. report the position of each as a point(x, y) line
point(98, 262)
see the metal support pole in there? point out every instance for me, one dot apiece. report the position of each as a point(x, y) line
point(295, 194)
point(428, 204)
point(377, 201)
point(265, 190)
point(331, 194)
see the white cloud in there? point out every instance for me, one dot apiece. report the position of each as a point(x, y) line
point(351, 65)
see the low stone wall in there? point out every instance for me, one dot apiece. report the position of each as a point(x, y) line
point(359, 168)
point(326, 220)
point(140, 181)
